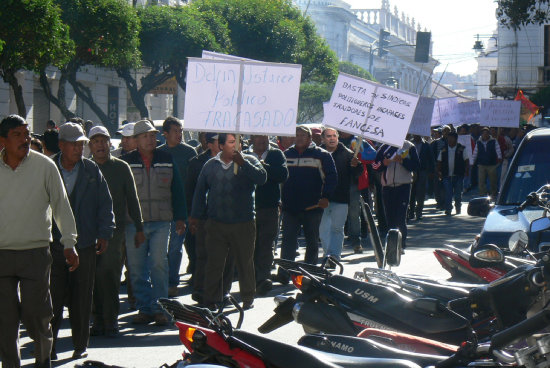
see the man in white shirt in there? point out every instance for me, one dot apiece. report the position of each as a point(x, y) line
point(452, 166)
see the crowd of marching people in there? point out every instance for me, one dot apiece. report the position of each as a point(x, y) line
point(82, 211)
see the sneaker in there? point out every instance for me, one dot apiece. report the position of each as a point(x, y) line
point(248, 305)
point(358, 249)
point(142, 319)
point(161, 319)
point(447, 213)
point(80, 353)
point(172, 291)
point(281, 278)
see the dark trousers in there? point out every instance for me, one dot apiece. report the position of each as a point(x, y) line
point(292, 223)
point(28, 271)
point(267, 224)
point(74, 290)
point(418, 194)
point(396, 201)
point(379, 204)
point(201, 257)
point(222, 238)
point(107, 283)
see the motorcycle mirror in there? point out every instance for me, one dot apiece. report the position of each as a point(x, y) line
point(479, 207)
point(518, 241)
point(540, 224)
point(487, 255)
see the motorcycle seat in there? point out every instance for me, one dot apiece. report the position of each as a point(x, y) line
point(438, 291)
point(281, 354)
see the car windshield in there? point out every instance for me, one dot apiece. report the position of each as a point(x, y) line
point(530, 171)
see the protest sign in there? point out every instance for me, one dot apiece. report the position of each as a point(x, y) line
point(466, 141)
point(245, 97)
point(370, 110)
point(219, 56)
point(445, 111)
point(469, 112)
point(420, 124)
point(500, 113)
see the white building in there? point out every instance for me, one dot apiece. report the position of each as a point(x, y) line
point(353, 35)
point(487, 63)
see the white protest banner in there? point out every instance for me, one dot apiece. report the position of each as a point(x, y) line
point(469, 112)
point(218, 56)
point(500, 113)
point(466, 141)
point(245, 97)
point(370, 110)
point(420, 124)
point(445, 111)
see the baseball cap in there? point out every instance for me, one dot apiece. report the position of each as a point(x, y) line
point(99, 130)
point(71, 132)
point(304, 129)
point(144, 126)
point(211, 137)
point(127, 130)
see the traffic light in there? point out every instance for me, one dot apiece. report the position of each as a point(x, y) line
point(383, 42)
point(422, 51)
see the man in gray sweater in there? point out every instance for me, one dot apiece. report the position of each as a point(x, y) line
point(230, 211)
point(32, 190)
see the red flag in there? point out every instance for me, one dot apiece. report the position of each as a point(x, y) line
point(528, 109)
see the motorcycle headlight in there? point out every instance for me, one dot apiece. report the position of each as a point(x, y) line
point(518, 241)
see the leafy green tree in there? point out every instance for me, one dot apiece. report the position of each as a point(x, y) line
point(168, 37)
point(516, 14)
point(354, 69)
point(275, 31)
point(310, 103)
point(33, 36)
point(105, 33)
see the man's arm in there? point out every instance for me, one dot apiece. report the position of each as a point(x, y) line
point(199, 197)
point(105, 216)
point(331, 175)
point(378, 163)
point(499, 153)
point(276, 168)
point(254, 170)
point(61, 208)
point(411, 162)
point(132, 200)
point(179, 206)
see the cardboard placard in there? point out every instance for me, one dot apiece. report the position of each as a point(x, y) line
point(370, 110)
point(500, 113)
point(421, 121)
point(445, 111)
point(469, 112)
point(245, 97)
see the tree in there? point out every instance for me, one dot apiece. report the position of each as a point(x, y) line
point(310, 103)
point(516, 14)
point(276, 31)
point(105, 33)
point(33, 36)
point(354, 69)
point(168, 37)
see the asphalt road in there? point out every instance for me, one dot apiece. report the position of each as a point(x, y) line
point(151, 346)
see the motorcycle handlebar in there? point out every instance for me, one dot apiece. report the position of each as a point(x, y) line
point(524, 328)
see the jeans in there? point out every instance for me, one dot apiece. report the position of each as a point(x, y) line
point(453, 189)
point(292, 222)
point(354, 215)
point(396, 201)
point(149, 264)
point(331, 229)
point(174, 255)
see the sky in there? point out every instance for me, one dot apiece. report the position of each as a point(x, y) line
point(453, 23)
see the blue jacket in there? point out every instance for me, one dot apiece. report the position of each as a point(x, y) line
point(91, 204)
point(311, 176)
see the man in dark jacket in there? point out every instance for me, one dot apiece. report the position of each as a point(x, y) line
point(162, 199)
point(93, 211)
point(397, 166)
point(267, 200)
point(312, 179)
point(334, 218)
point(487, 156)
point(427, 167)
point(452, 166)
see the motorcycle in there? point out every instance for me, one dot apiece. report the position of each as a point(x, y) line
point(210, 339)
point(345, 306)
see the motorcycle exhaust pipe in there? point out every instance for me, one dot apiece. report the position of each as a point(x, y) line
point(324, 318)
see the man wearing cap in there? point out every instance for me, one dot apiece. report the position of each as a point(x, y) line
point(312, 178)
point(172, 128)
point(162, 199)
point(125, 201)
point(93, 211)
point(32, 191)
point(487, 156)
point(127, 142)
